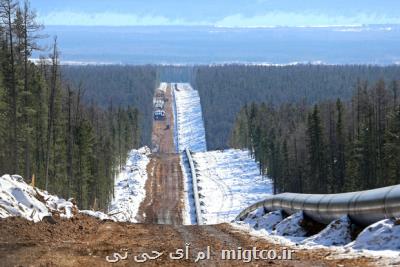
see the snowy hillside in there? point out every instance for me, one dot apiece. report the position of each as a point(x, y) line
point(17, 198)
point(189, 120)
point(129, 190)
point(228, 182)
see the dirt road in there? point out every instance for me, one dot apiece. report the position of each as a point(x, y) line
point(85, 241)
point(164, 200)
point(164, 187)
point(162, 134)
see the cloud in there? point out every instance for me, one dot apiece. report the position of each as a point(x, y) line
point(270, 19)
point(109, 19)
point(304, 19)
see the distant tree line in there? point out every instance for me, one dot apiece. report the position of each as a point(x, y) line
point(332, 146)
point(72, 147)
point(224, 90)
point(176, 73)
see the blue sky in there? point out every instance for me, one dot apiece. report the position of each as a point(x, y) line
point(227, 13)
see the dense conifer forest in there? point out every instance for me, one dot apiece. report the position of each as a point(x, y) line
point(72, 147)
point(115, 86)
point(224, 90)
point(332, 146)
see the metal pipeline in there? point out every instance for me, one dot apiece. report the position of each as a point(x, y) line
point(195, 187)
point(363, 207)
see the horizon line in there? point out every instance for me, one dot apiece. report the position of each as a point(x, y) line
point(227, 27)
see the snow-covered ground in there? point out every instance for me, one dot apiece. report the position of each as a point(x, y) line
point(382, 235)
point(190, 131)
point(129, 189)
point(228, 182)
point(18, 198)
point(337, 233)
point(381, 239)
point(163, 87)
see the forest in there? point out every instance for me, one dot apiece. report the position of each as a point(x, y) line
point(225, 89)
point(329, 147)
point(48, 133)
point(114, 85)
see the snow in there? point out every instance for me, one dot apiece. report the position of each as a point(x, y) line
point(252, 217)
point(269, 221)
point(129, 189)
point(17, 198)
point(337, 233)
point(380, 240)
point(190, 132)
point(163, 87)
point(291, 226)
point(228, 182)
point(383, 235)
point(97, 214)
point(55, 203)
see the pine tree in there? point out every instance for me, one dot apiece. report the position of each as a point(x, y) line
point(8, 9)
point(28, 32)
point(340, 159)
point(52, 103)
point(3, 120)
point(392, 148)
point(316, 153)
point(286, 173)
point(85, 143)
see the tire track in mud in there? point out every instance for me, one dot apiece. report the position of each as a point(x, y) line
point(164, 188)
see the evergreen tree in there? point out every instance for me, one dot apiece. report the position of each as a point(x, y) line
point(392, 148)
point(358, 150)
point(316, 153)
point(340, 157)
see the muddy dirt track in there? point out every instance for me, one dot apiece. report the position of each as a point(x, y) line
point(164, 187)
point(164, 191)
point(85, 241)
point(162, 133)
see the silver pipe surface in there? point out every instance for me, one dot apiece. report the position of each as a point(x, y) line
point(363, 207)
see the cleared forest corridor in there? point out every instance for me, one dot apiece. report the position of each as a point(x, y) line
point(87, 241)
point(164, 187)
